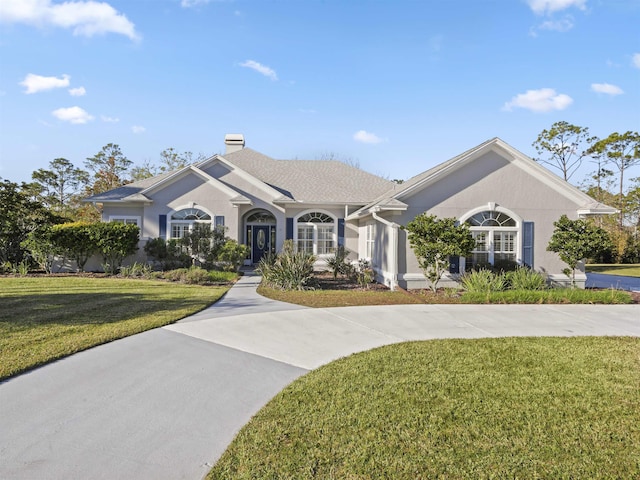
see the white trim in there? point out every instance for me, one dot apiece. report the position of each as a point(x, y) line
point(244, 175)
point(137, 218)
point(315, 230)
point(188, 206)
point(493, 206)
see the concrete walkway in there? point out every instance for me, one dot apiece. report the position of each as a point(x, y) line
point(165, 404)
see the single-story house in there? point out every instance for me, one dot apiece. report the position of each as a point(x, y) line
point(509, 201)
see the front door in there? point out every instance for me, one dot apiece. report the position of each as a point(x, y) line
point(261, 242)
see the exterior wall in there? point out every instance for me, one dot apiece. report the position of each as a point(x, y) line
point(490, 178)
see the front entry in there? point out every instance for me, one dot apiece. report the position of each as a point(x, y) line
point(261, 243)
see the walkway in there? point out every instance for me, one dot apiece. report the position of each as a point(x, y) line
point(165, 404)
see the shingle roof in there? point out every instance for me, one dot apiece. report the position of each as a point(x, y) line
point(313, 181)
point(128, 190)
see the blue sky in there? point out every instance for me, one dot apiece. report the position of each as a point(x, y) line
point(398, 86)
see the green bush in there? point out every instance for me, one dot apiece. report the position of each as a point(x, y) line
point(483, 281)
point(115, 242)
point(196, 276)
point(142, 270)
point(232, 255)
point(289, 270)
point(338, 263)
point(523, 278)
point(168, 254)
point(364, 273)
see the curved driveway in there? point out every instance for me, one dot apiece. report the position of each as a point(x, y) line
point(166, 403)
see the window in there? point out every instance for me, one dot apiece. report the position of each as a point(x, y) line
point(316, 233)
point(370, 239)
point(182, 221)
point(496, 236)
point(126, 219)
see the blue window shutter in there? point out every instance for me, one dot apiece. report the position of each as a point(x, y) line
point(341, 232)
point(289, 229)
point(162, 222)
point(454, 264)
point(527, 244)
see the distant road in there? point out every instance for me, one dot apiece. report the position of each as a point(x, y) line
point(620, 282)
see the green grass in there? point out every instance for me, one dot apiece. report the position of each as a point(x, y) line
point(490, 408)
point(553, 295)
point(615, 269)
point(339, 298)
point(46, 318)
point(348, 298)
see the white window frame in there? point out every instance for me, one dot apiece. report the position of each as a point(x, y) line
point(370, 239)
point(492, 230)
point(126, 219)
point(314, 228)
point(188, 223)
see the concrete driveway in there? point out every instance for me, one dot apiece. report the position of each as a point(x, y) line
point(165, 404)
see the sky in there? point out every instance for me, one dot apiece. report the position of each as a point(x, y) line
point(396, 87)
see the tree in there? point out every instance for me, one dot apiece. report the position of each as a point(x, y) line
point(60, 184)
point(576, 240)
point(561, 147)
point(108, 167)
point(623, 151)
point(171, 160)
point(435, 240)
point(20, 214)
point(146, 170)
point(75, 240)
point(115, 242)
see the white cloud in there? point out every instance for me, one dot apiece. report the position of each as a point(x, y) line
point(37, 83)
point(606, 88)
point(563, 25)
point(77, 92)
point(86, 18)
point(542, 100)
point(366, 137)
point(635, 60)
point(104, 118)
point(541, 7)
point(193, 3)
point(74, 115)
point(263, 69)
point(138, 129)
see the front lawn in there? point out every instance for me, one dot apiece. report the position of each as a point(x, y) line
point(629, 270)
point(46, 318)
point(488, 408)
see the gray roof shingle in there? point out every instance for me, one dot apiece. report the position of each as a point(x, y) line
point(313, 181)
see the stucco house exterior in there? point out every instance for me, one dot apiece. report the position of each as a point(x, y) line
point(509, 201)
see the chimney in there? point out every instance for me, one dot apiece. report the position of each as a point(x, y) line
point(234, 142)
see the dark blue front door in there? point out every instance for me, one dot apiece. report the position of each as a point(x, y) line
point(261, 242)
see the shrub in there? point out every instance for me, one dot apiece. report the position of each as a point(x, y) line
point(483, 281)
point(338, 263)
point(115, 242)
point(196, 276)
point(136, 270)
point(289, 270)
point(78, 241)
point(523, 278)
point(168, 254)
point(364, 273)
point(232, 254)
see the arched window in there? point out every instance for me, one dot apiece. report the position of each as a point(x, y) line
point(316, 233)
point(497, 236)
point(261, 216)
point(183, 221)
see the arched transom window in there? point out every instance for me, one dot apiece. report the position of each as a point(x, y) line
point(316, 233)
point(183, 221)
point(496, 234)
point(261, 216)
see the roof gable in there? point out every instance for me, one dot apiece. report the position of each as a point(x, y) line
point(584, 203)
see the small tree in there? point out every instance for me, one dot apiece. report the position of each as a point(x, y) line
point(115, 242)
point(435, 240)
point(562, 147)
point(575, 240)
point(76, 241)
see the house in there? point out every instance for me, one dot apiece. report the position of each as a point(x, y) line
point(509, 201)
